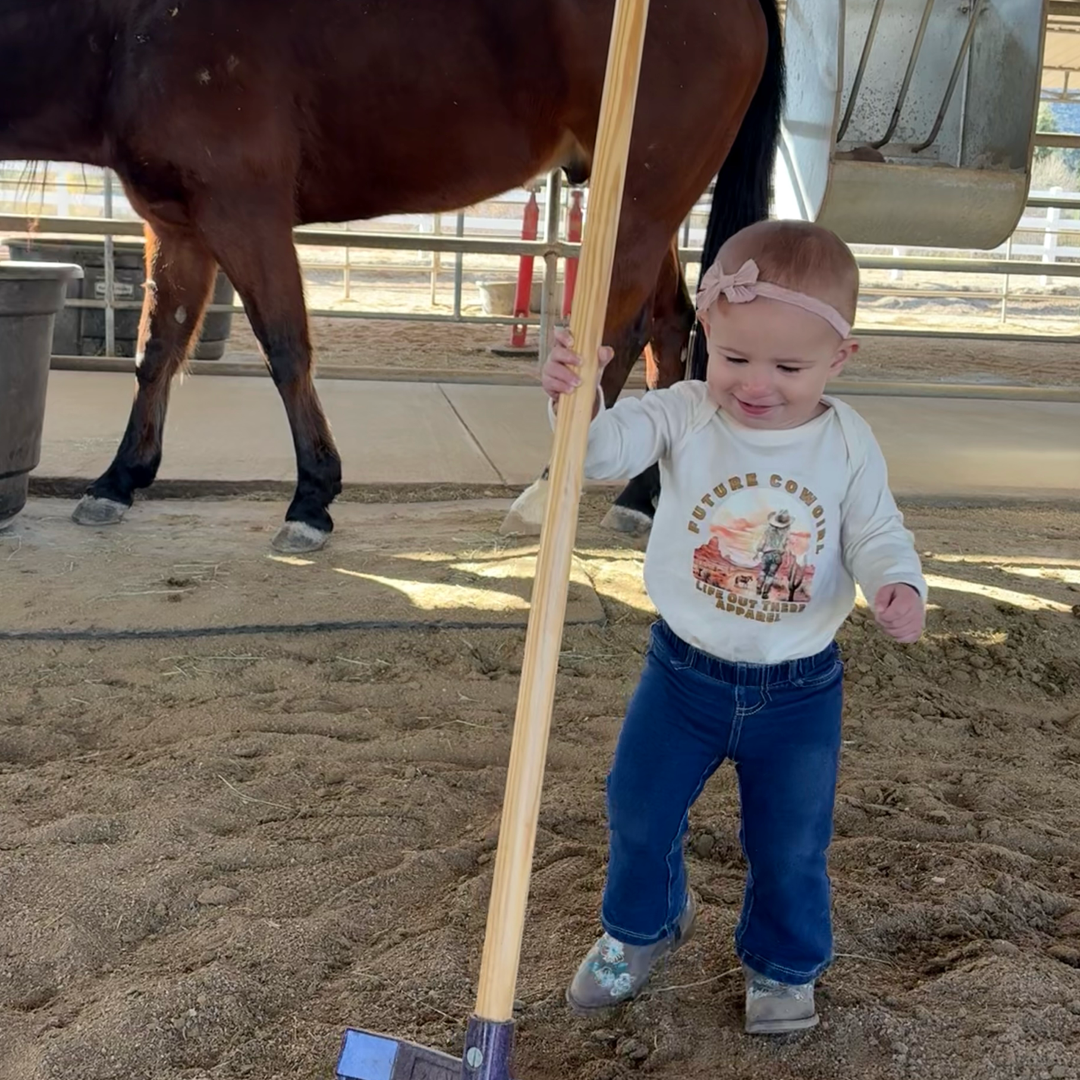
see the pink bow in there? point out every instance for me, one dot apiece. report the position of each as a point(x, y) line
point(739, 288)
point(743, 286)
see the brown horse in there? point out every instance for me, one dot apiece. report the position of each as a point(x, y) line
point(230, 122)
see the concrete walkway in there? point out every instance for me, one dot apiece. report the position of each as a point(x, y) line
point(225, 428)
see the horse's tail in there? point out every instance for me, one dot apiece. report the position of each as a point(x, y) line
point(741, 195)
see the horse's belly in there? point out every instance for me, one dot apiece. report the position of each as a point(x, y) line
point(421, 173)
point(349, 196)
point(324, 197)
point(442, 132)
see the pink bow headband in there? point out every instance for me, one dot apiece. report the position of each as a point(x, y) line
point(743, 286)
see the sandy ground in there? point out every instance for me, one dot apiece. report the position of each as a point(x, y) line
point(217, 852)
point(383, 344)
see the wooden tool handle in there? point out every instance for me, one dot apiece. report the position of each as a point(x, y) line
point(517, 837)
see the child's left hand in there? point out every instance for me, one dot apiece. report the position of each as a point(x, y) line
point(900, 612)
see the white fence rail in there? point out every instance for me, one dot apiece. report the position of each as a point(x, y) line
point(1042, 255)
point(70, 195)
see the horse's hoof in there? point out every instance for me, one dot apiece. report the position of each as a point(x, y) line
point(526, 516)
point(94, 511)
point(515, 525)
point(298, 538)
point(624, 520)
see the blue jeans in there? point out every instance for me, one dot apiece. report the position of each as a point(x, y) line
point(780, 725)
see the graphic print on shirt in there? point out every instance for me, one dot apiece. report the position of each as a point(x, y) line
point(761, 538)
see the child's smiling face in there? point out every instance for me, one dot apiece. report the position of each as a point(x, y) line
point(769, 362)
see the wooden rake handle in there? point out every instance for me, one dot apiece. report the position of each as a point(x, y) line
point(521, 809)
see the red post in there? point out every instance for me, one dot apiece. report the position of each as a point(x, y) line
point(573, 234)
point(529, 230)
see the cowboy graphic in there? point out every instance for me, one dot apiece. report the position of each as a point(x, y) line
point(772, 548)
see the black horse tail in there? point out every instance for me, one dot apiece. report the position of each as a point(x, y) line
point(741, 193)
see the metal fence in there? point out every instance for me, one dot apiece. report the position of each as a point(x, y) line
point(80, 202)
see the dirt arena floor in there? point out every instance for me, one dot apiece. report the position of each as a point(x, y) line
point(400, 346)
point(218, 851)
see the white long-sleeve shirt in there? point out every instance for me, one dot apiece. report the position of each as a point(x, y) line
point(759, 536)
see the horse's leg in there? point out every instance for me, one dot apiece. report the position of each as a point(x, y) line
point(655, 202)
point(631, 292)
point(665, 363)
point(251, 236)
point(527, 513)
point(179, 277)
point(673, 319)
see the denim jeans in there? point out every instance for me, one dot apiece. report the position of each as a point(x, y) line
point(780, 725)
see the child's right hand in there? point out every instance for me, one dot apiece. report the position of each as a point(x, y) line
point(559, 374)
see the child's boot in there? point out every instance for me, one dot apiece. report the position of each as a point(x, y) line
point(613, 972)
point(775, 1008)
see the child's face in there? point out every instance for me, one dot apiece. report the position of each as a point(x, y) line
point(769, 361)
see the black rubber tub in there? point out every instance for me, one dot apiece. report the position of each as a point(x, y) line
point(31, 296)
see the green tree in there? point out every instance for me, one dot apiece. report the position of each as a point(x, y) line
point(1047, 125)
point(1059, 166)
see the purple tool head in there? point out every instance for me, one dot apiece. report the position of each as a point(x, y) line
point(367, 1056)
